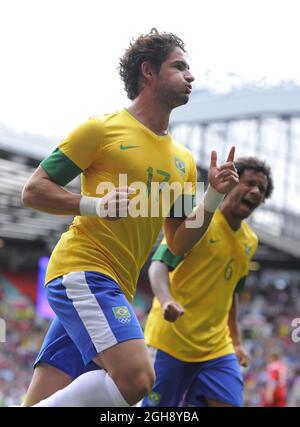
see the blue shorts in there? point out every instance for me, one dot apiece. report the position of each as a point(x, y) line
point(181, 383)
point(218, 379)
point(93, 315)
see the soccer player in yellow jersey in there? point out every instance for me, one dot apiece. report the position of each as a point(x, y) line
point(192, 326)
point(93, 270)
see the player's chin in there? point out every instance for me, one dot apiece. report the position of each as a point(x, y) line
point(185, 98)
point(244, 211)
point(181, 100)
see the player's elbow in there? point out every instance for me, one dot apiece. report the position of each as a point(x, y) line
point(28, 194)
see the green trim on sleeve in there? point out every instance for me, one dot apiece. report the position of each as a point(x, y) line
point(164, 255)
point(182, 206)
point(240, 285)
point(60, 168)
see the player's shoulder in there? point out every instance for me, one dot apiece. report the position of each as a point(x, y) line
point(105, 118)
point(95, 127)
point(109, 122)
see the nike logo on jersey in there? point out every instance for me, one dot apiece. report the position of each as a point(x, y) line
point(214, 241)
point(127, 147)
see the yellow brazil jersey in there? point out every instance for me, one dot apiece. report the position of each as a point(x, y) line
point(203, 283)
point(101, 149)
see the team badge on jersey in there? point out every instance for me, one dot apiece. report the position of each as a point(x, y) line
point(180, 165)
point(247, 249)
point(154, 398)
point(122, 314)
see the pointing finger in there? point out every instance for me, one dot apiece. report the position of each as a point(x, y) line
point(213, 159)
point(230, 157)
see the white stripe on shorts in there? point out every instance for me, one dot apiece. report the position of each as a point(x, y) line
point(89, 311)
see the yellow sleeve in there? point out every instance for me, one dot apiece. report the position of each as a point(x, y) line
point(75, 153)
point(82, 146)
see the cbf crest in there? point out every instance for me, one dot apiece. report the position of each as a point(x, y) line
point(122, 314)
point(180, 165)
point(247, 249)
point(154, 398)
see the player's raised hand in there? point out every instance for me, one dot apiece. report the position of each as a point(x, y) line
point(172, 310)
point(225, 177)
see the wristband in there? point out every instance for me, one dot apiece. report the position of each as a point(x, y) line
point(212, 199)
point(89, 206)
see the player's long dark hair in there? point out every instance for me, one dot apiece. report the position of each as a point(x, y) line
point(246, 163)
point(154, 47)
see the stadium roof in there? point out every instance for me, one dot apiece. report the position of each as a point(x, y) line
point(26, 144)
point(246, 103)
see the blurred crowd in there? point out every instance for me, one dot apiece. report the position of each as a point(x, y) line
point(266, 317)
point(266, 320)
point(24, 335)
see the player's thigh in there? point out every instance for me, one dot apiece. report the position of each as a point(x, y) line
point(126, 359)
point(129, 366)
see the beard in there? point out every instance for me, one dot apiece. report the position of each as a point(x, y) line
point(173, 99)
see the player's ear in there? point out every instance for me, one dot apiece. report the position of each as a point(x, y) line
point(147, 70)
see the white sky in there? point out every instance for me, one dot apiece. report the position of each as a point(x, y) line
point(58, 58)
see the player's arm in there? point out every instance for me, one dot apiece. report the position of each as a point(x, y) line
point(162, 262)
point(234, 328)
point(182, 234)
point(44, 190)
point(45, 195)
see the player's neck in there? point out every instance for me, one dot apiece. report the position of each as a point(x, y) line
point(233, 221)
point(151, 115)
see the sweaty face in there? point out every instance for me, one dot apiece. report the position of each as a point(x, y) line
point(248, 194)
point(172, 84)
